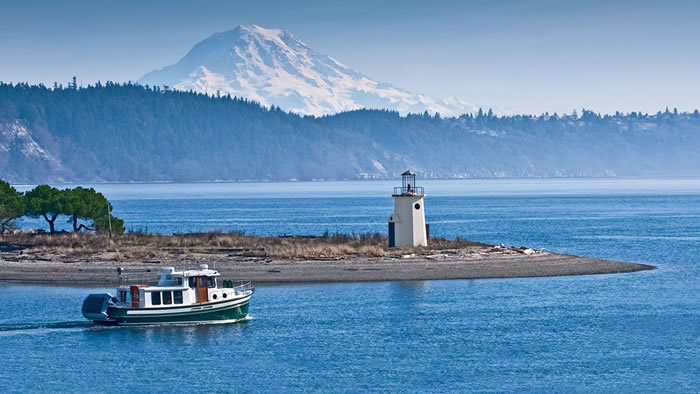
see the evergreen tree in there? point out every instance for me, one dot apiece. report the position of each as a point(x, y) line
point(45, 201)
point(85, 204)
point(104, 223)
point(11, 206)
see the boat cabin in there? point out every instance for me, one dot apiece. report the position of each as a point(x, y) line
point(177, 288)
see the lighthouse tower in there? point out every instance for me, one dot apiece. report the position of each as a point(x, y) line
point(407, 224)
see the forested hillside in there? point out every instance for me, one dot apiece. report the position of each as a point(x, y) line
point(113, 132)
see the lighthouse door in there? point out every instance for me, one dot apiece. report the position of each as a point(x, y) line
point(392, 240)
point(202, 289)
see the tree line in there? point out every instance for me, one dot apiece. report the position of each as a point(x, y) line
point(85, 209)
point(128, 132)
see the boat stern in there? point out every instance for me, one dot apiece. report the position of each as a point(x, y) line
point(95, 307)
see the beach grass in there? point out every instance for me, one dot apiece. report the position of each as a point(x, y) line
point(145, 245)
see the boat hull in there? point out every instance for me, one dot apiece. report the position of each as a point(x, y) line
point(232, 310)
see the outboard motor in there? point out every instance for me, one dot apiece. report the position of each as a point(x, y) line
point(95, 306)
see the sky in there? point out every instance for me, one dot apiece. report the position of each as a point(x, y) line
point(517, 56)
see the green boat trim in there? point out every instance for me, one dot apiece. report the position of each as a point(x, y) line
point(235, 311)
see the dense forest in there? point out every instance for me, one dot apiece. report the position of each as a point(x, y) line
point(128, 132)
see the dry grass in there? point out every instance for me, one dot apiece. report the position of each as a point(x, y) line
point(143, 245)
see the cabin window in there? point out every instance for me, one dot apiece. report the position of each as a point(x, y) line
point(193, 282)
point(122, 296)
point(178, 296)
point(178, 281)
point(202, 282)
point(155, 298)
point(212, 282)
point(167, 297)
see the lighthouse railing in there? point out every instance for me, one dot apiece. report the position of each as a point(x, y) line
point(408, 191)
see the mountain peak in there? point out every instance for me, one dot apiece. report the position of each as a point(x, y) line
point(248, 32)
point(261, 31)
point(273, 67)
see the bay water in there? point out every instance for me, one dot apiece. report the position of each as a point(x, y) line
point(623, 332)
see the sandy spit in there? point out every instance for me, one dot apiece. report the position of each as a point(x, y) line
point(97, 270)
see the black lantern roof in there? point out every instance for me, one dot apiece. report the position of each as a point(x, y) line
point(408, 185)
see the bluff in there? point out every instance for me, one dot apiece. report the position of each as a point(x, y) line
point(127, 132)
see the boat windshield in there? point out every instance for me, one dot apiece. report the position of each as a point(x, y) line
point(204, 281)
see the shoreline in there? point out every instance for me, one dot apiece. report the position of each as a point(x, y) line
point(356, 269)
point(88, 259)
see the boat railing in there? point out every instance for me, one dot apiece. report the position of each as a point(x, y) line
point(138, 277)
point(148, 280)
point(171, 283)
point(238, 286)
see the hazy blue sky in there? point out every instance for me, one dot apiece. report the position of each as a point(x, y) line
point(524, 56)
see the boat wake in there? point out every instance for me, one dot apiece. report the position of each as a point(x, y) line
point(49, 325)
point(28, 327)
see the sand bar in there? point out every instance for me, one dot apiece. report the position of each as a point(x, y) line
point(20, 264)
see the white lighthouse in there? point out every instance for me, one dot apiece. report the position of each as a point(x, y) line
point(407, 224)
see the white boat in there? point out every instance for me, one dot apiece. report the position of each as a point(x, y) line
point(179, 297)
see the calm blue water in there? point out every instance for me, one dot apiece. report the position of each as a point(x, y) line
point(626, 332)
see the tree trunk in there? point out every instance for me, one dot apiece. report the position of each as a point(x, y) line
point(75, 224)
point(51, 221)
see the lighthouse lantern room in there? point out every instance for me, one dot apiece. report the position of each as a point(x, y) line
point(407, 224)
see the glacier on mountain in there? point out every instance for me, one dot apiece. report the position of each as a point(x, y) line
point(273, 67)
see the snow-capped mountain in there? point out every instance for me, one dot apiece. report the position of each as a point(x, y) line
point(273, 67)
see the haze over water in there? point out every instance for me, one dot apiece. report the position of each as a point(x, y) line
point(625, 332)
